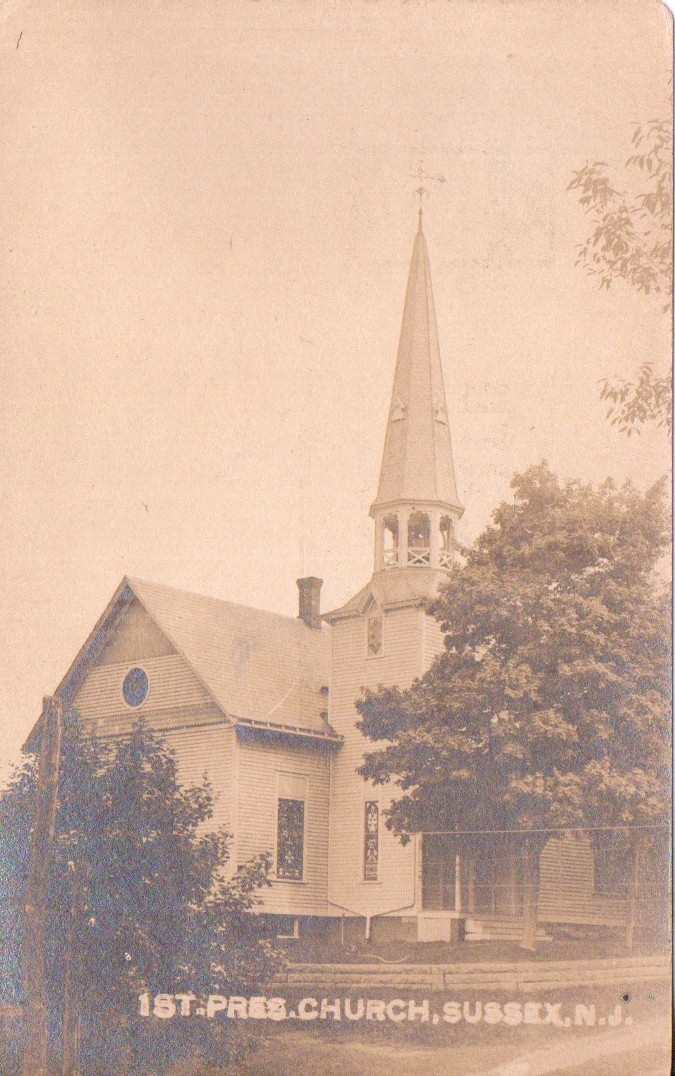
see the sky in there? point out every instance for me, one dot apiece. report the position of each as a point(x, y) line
point(207, 219)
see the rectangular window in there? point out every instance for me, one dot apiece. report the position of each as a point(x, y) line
point(291, 796)
point(290, 839)
point(371, 841)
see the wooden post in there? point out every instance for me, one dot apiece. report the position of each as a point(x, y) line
point(530, 896)
point(458, 882)
point(72, 1002)
point(35, 904)
point(633, 892)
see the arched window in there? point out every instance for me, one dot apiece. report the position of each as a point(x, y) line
point(390, 557)
point(419, 539)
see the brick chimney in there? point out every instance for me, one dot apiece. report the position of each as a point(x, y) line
point(310, 601)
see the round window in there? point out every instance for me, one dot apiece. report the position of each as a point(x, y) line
point(135, 687)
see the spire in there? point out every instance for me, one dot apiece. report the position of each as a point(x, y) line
point(417, 464)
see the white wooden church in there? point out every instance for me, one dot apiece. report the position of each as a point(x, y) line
point(264, 705)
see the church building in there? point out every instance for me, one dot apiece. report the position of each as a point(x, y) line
point(264, 705)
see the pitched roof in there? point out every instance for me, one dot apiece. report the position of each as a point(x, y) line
point(264, 670)
point(260, 667)
point(407, 586)
point(417, 463)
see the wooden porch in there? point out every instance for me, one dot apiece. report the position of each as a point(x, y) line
point(482, 884)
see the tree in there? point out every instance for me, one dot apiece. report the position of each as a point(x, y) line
point(549, 707)
point(161, 913)
point(649, 398)
point(631, 241)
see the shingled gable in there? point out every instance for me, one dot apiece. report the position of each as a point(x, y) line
point(262, 669)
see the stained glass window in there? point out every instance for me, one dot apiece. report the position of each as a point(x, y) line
point(290, 838)
point(135, 687)
point(371, 846)
point(374, 635)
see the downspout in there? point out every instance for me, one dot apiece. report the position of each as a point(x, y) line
point(342, 907)
point(353, 911)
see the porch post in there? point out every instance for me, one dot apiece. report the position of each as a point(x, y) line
point(633, 891)
point(472, 884)
point(514, 885)
point(458, 882)
point(530, 895)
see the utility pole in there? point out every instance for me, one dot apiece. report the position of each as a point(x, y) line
point(35, 905)
point(72, 1002)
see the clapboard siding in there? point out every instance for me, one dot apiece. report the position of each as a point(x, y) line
point(258, 764)
point(172, 686)
point(566, 893)
point(208, 752)
point(401, 661)
point(433, 641)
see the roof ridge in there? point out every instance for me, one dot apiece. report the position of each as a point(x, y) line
point(137, 581)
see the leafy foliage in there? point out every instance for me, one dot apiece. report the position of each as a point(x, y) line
point(163, 915)
point(632, 240)
point(632, 232)
point(549, 707)
point(647, 399)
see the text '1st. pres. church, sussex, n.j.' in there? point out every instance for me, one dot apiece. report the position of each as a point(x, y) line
point(264, 705)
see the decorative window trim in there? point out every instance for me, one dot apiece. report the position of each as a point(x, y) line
point(128, 705)
point(374, 612)
point(281, 778)
point(370, 802)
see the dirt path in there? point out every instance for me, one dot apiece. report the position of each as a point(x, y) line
point(623, 1052)
point(601, 1051)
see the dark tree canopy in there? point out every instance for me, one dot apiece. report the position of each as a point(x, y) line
point(161, 913)
point(550, 705)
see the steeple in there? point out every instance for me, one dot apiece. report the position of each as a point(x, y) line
point(417, 502)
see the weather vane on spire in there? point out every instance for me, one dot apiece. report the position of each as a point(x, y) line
point(421, 176)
